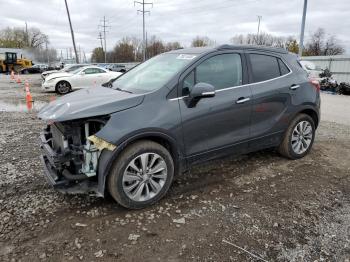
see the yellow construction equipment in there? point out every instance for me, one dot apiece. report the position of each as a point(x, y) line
point(9, 61)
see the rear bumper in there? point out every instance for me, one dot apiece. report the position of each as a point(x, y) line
point(53, 168)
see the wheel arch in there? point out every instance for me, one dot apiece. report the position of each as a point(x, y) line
point(312, 113)
point(108, 157)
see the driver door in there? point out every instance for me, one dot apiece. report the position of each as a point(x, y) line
point(221, 124)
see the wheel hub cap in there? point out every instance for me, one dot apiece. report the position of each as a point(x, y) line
point(301, 137)
point(144, 177)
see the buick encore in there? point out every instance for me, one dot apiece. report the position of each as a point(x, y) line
point(173, 111)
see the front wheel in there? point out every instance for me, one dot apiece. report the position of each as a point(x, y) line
point(299, 138)
point(63, 87)
point(141, 175)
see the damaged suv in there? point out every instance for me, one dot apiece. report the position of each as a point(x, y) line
point(175, 110)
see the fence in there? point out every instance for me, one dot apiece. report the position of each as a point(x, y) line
point(339, 65)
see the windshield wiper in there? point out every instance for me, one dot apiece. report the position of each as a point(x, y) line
point(123, 90)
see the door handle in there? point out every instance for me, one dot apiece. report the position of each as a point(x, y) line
point(242, 100)
point(294, 87)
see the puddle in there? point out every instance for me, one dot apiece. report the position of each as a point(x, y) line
point(21, 106)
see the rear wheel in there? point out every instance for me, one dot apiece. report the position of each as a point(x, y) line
point(299, 138)
point(141, 175)
point(63, 87)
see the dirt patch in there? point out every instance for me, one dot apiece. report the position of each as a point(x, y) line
point(277, 209)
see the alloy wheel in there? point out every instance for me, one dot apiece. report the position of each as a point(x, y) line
point(63, 88)
point(302, 137)
point(144, 177)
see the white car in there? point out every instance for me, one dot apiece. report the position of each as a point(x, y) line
point(312, 70)
point(84, 77)
point(67, 68)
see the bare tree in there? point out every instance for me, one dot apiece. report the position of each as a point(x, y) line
point(320, 44)
point(200, 41)
point(155, 47)
point(18, 38)
point(97, 55)
point(261, 39)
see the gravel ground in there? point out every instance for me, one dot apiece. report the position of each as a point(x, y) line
point(277, 209)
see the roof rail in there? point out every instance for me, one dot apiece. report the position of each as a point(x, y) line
point(253, 47)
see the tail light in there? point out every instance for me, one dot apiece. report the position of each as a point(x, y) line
point(315, 84)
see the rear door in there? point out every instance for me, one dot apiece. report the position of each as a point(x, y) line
point(218, 124)
point(272, 87)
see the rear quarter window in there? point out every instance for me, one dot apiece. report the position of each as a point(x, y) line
point(266, 67)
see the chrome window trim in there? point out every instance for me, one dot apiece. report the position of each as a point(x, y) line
point(250, 84)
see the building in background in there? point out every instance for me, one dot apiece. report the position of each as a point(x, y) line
point(338, 65)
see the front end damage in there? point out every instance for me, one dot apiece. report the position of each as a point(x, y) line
point(70, 154)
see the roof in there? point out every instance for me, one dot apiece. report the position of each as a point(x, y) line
point(201, 50)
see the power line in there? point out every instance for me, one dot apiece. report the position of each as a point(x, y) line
point(143, 24)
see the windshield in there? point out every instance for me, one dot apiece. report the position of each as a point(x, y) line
point(77, 70)
point(72, 68)
point(152, 74)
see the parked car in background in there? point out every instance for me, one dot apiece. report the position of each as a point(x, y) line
point(67, 68)
point(312, 70)
point(35, 69)
point(117, 68)
point(175, 110)
point(83, 77)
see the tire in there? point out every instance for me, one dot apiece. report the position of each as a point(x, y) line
point(122, 186)
point(63, 87)
point(289, 148)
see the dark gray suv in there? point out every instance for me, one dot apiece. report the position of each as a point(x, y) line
point(173, 111)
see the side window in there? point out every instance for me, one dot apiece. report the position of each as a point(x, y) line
point(89, 71)
point(283, 68)
point(264, 67)
point(221, 71)
point(98, 70)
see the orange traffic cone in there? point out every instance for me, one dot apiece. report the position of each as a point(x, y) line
point(18, 79)
point(52, 98)
point(26, 86)
point(29, 105)
point(28, 96)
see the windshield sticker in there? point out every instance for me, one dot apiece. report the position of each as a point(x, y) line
point(185, 56)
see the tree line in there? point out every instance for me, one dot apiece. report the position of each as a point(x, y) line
point(31, 39)
point(129, 49)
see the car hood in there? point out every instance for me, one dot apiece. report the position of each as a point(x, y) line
point(95, 101)
point(58, 74)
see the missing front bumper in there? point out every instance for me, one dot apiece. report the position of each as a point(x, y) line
point(54, 172)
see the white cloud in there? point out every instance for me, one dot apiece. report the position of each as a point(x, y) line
point(179, 20)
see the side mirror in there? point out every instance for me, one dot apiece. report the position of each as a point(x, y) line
point(199, 91)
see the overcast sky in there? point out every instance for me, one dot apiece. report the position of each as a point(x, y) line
point(179, 20)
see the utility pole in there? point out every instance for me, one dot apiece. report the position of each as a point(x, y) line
point(48, 56)
point(146, 55)
point(27, 36)
point(257, 36)
point(301, 43)
point(72, 33)
point(143, 24)
point(104, 21)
